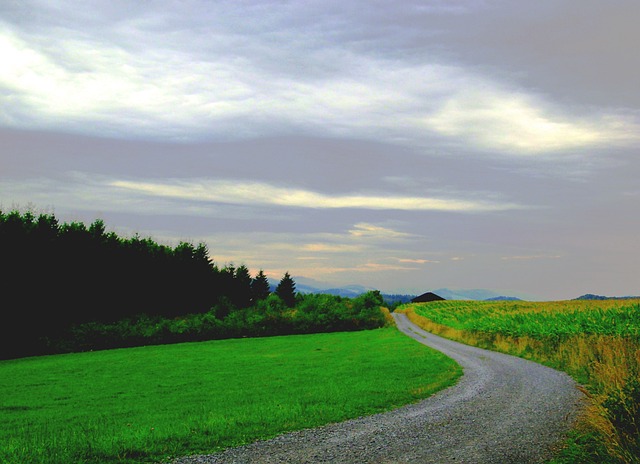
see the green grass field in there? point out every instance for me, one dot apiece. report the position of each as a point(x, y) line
point(559, 319)
point(151, 403)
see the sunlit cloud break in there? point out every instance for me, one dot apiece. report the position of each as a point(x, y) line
point(364, 229)
point(417, 261)
point(258, 193)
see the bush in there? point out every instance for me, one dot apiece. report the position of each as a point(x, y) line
point(271, 316)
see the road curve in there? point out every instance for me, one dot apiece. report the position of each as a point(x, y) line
point(503, 410)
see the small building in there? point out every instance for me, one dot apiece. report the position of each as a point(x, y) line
point(427, 297)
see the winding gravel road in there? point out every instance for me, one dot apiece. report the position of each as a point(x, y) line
point(503, 410)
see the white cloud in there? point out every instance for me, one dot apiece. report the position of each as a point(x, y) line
point(112, 87)
point(84, 83)
point(224, 198)
point(511, 122)
point(366, 267)
point(326, 247)
point(417, 261)
point(366, 230)
point(257, 193)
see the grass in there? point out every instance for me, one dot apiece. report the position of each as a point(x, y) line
point(152, 403)
point(596, 342)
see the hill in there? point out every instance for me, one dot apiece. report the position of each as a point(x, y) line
point(479, 294)
point(307, 285)
point(591, 296)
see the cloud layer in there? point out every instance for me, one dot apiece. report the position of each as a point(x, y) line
point(132, 82)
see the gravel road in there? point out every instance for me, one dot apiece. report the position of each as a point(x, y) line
point(503, 410)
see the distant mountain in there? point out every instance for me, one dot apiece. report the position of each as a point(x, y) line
point(349, 291)
point(591, 296)
point(302, 288)
point(397, 299)
point(307, 285)
point(479, 294)
point(465, 294)
point(303, 285)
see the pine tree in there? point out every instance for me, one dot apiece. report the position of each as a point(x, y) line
point(242, 287)
point(286, 290)
point(260, 287)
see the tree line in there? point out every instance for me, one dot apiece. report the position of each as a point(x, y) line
point(66, 277)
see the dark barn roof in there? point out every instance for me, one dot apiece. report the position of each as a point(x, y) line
point(426, 297)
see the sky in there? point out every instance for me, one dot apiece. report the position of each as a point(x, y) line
point(403, 146)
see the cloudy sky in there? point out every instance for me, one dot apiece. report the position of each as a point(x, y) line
point(404, 146)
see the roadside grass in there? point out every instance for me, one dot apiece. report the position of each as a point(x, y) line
point(596, 342)
point(153, 403)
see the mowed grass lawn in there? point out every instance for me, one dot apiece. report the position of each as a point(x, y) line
point(149, 404)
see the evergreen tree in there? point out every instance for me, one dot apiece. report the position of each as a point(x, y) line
point(286, 290)
point(228, 286)
point(242, 287)
point(260, 287)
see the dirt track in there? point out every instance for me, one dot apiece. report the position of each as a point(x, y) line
point(503, 410)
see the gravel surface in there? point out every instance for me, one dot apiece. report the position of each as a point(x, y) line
point(503, 410)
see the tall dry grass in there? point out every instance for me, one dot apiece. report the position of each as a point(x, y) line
point(389, 321)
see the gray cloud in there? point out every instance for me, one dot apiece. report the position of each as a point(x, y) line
point(255, 81)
